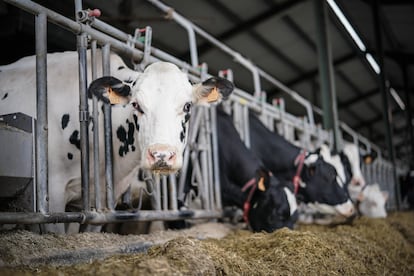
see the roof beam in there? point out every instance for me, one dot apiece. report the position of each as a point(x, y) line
point(374, 120)
point(313, 73)
point(363, 96)
point(243, 26)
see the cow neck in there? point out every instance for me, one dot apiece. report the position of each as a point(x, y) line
point(251, 184)
point(299, 161)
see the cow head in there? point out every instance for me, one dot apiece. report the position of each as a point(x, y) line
point(273, 206)
point(321, 185)
point(162, 98)
point(372, 202)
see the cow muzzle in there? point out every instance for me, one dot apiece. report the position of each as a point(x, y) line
point(162, 158)
point(346, 209)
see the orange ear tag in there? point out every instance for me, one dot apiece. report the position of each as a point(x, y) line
point(261, 185)
point(213, 96)
point(113, 97)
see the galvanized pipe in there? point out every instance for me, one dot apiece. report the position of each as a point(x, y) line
point(96, 168)
point(172, 192)
point(106, 70)
point(82, 45)
point(93, 217)
point(216, 160)
point(42, 120)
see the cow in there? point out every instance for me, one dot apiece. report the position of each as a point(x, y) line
point(149, 120)
point(368, 198)
point(245, 182)
point(314, 179)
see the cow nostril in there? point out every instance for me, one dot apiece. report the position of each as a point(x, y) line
point(172, 156)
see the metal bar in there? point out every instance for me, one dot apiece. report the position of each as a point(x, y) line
point(195, 121)
point(164, 193)
point(172, 192)
point(42, 121)
point(96, 168)
point(106, 70)
point(105, 217)
point(216, 172)
point(202, 140)
point(327, 80)
point(384, 95)
point(82, 45)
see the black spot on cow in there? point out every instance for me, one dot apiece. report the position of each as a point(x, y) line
point(136, 122)
point(5, 96)
point(74, 139)
point(126, 138)
point(70, 156)
point(121, 67)
point(184, 126)
point(65, 120)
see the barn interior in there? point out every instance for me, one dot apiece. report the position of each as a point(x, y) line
point(369, 46)
point(350, 59)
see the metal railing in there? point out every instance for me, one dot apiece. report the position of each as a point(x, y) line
point(200, 156)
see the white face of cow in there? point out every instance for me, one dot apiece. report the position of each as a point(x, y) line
point(352, 152)
point(372, 202)
point(162, 98)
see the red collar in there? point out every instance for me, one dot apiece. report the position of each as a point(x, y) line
point(299, 161)
point(246, 206)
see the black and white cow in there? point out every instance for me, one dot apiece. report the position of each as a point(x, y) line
point(149, 125)
point(245, 183)
point(315, 180)
point(369, 199)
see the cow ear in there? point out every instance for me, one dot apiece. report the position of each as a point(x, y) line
point(263, 180)
point(213, 90)
point(369, 158)
point(110, 90)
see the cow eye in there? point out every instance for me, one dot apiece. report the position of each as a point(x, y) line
point(137, 107)
point(187, 107)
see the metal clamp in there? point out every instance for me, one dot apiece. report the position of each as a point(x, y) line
point(144, 36)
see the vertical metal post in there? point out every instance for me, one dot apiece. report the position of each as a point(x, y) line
point(82, 45)
point(326, 72)
point(172, 191)
point(408, 113)
point(384, 94)
point(41, 122)
point(108, 134)
point(216, 168)
point(95, 115)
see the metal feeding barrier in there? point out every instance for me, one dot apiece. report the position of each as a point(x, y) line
point(200, 163)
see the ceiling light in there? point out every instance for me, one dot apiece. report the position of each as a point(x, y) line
point(372, 62)
point(397, 98)
point(347, 25)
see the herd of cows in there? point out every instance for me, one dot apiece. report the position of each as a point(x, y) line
point(274, 182)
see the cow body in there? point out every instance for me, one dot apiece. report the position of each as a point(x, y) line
point(319, 185)
point(149, 126)
point(272, 206)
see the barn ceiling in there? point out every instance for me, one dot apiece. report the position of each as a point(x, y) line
point(279, 36)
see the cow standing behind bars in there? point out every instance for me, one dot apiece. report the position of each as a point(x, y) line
point(149, 125)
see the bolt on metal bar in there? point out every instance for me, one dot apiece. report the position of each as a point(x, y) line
point(42, 120)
